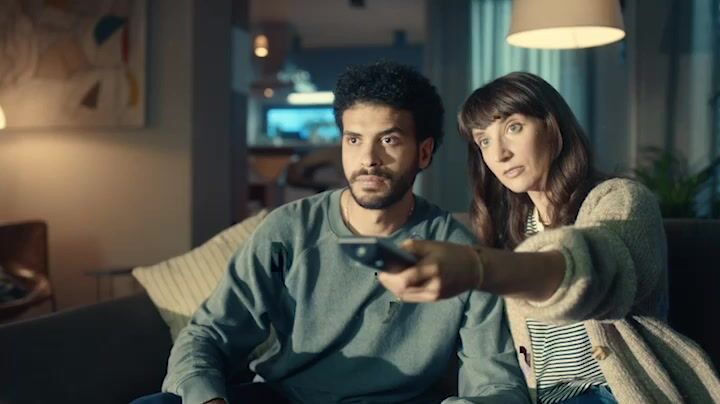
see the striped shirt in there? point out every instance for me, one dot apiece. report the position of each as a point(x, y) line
point(564, 366)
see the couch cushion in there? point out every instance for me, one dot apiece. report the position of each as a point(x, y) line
point(179, 285)
point(110, 352)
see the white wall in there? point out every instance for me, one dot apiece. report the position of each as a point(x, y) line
point(112, 197)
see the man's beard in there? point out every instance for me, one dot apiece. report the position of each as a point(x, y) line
point(399, 186)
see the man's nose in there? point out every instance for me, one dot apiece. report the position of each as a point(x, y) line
point(370, 155)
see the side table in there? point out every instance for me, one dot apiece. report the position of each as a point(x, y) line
point(110, 275)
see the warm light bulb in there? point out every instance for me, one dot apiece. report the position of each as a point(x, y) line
point(566, 37)
point(268, 92)
point(2, 119)
point(261, 46)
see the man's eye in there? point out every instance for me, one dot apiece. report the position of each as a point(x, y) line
point(515, 128)
point(389, 140)
point(353, 140)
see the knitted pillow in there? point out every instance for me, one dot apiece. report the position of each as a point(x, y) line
point(179, 285)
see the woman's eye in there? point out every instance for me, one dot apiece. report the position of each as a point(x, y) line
point(515, 128)
point(483, 143)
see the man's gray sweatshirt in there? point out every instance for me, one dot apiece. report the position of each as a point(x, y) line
point(329, 331)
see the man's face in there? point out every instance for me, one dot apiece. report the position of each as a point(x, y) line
point(380, 154)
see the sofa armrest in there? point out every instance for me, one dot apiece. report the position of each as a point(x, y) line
point(108, 352)
point(693, 279)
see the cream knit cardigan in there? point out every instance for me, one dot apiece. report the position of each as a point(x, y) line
point(616, 283)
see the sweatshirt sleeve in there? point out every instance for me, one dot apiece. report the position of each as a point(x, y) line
point(489, 371)
point(615, 257)
point(232, 322)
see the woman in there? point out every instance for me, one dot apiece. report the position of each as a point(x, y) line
point(580, 259)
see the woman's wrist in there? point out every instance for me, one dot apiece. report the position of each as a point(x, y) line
point(531, 276)
point(478, 265)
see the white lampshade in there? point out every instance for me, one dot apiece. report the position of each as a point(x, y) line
point(2, 118)
point(565, 24)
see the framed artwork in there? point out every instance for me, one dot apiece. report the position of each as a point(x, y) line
point(73, 63)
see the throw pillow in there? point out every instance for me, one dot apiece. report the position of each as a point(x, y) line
point(179, 285)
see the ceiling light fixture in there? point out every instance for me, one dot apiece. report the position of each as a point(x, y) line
point(565, 24)
point(2, 119)
point(314, 98)
point(261, 45)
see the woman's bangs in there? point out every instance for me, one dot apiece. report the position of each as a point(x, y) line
point(483, 108)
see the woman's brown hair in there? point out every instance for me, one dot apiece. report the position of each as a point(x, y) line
point(498, 215)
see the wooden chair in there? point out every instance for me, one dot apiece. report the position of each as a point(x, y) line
point(24, 256)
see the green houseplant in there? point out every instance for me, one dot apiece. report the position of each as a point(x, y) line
point(666, 174)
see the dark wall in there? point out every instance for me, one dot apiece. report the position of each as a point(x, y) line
point(326, 64)
point(211, 108)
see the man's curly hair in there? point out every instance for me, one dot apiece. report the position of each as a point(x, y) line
point(394, 85)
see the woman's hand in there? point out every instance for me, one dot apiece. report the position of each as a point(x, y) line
point(443, 270)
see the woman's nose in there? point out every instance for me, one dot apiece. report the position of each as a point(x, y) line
point(501, 152)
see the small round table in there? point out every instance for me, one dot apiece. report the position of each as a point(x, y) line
point(110, 274)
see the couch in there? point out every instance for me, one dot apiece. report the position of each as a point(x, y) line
point(114, 351)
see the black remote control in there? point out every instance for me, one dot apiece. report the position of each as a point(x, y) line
point(375, 252)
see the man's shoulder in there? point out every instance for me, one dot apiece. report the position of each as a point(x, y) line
point(445, 226)
point(299, 213)
point(303, 207)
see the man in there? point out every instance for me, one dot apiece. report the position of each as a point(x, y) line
point(329, 331)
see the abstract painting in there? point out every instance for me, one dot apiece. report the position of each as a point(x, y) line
point(73, 63)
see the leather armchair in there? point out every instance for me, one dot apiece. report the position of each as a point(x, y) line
point(24, 255)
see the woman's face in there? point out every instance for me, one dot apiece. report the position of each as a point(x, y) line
point(517, 151)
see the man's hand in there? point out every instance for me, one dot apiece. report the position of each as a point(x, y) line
point(443, 270)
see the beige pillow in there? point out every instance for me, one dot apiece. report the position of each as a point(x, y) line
point(179, 285)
